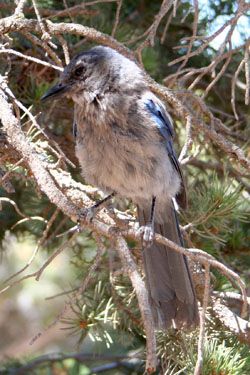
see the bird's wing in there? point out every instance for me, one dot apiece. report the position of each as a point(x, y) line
point(164, 124)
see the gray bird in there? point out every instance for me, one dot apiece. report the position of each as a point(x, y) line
point(124, 143)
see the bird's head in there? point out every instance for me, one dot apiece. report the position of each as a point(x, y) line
point(94, 71)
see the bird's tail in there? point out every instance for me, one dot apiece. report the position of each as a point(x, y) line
point(171, 293)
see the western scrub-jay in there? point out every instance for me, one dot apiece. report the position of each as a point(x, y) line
point(124, 143)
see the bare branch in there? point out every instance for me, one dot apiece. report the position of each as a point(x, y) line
point(142, 297)
point(30, 58)
point(195, 25)
point(165, 6)
point(238, 326)
point(79, 291)
point(202, 126)
point(117, 16)
point(75, 10)
point(3, 199)
point(198, 366)
point(38, 167)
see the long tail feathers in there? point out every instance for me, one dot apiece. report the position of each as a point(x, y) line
point(171, 293)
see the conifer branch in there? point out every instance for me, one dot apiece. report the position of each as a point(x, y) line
point(203, 128)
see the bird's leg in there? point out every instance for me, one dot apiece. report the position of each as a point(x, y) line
point(87, 214)
point(147, 232)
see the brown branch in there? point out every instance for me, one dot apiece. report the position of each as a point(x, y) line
point(115, 296)
point(238, 326)
point(40, 242)
point(117, 16)
point(13, 203)
point(231, 299)
point(31, 156)
point(79, 291)
point(221, 169)
point(39, 272)
point(247, 72)
point(165, 6)
point(189, 140)
point(68, 12)
point(177, 3)
point(6, 184)
point(199, 362)
point(11, 24)
point(75, 10)
point(30, 58)
point(80, 357)
point(45, 35)
point(237, 72)
point(240, 12)
point(227, 146)
point(190, 45)
point(67, 195)
point(142, 297)
point(218, 76)
point(45, 46)
point(39, 169)
point(65, 48)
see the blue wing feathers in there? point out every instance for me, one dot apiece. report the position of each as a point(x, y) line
point(159, 116)
point(164, 125)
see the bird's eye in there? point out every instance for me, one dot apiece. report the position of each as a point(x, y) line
point(79, 71)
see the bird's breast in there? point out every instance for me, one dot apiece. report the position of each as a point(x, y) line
point(124, 159)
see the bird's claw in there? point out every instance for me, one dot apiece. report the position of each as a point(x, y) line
point(147, 234)
point(85, 217)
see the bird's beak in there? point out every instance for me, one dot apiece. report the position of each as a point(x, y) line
point(56, 91)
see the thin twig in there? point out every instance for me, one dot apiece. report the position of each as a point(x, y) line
point(45, 46)
point(65, 48)
point(45, 35)
point(79, 291)
point(13, 203)
point(198, 366)
point(50, 13)
point(195, 26)
point(213, 36)
point(7, 174)
point(247, 72)
point(117, 16)
point(30, 58)
point(165, 6)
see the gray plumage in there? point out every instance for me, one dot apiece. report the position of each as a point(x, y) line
point(124, 143)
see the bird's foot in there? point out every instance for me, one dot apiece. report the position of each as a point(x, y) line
point(86, 216)
point(147, 234)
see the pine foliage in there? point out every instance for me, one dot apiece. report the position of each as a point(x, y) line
point(217, 218)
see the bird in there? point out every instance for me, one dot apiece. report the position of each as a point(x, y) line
point(124, 144)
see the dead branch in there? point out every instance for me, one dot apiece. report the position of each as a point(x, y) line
point(31, 156)
point(198, 366)
point(69, 196)
point(80, 357)
point(79, 291)
point(75, 10)
point(238, 326)
point(142, 297)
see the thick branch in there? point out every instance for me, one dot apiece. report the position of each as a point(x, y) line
point(10, 24)
point(31, 156)
point(142, 297)
point(76, 10)
point(238, 326)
